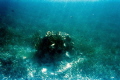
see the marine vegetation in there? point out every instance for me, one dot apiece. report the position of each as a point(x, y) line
point(54, 45)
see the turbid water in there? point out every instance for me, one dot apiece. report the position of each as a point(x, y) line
point(93, 26)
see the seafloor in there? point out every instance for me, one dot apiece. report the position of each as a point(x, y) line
point(93, 26)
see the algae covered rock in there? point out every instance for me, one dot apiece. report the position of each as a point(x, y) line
point(54, 44)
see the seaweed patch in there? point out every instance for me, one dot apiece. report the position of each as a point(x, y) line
point(53, 45)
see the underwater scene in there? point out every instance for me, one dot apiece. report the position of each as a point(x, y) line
point(59, 40)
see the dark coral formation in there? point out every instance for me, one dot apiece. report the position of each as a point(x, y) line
point(54, 44)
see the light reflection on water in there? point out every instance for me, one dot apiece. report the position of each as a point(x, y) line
point(62, 70)
point(72, 0)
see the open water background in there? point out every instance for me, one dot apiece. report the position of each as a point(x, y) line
point(94, 27)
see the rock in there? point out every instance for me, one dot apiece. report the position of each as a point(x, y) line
point(54, 45)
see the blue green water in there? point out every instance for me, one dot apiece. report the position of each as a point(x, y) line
point(94, 27)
